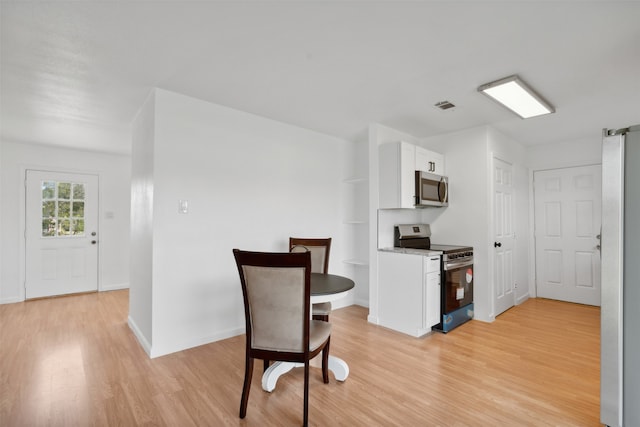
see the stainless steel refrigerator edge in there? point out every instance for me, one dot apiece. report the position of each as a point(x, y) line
point(620, 318)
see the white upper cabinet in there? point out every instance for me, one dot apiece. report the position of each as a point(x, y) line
point(396, 165)
point(429, 161)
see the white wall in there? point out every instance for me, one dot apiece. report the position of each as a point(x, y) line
point(114, 177)
point(251, 183)
point(466, 219)
point(1, 223)
point(141, 272)
point(565, 154)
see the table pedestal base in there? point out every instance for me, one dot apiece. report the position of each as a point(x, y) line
point(338, 366)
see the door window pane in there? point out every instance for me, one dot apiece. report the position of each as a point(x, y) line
point(48, 227)
point(48, 190)
point(64, 190)
point(77, 227)
point(78, 191)
point(64, 227)
point(64, 209)
point(48, 209)
point(77, 210)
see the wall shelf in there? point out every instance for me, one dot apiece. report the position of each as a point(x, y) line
point(356, 262)
point(355, 180)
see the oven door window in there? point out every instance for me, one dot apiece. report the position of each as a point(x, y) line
point(458, 288)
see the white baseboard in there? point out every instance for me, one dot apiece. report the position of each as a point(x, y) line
point(11, 300)
point(140, 337)
point(362, 302)
point(522, 299)
point(343, 302)
point(114, 287)
point(157, 352)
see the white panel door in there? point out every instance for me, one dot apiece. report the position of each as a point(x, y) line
point(503, 196)
point(61, 233)
point(567, 231)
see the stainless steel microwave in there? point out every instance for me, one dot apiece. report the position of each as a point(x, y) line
point(431, 190)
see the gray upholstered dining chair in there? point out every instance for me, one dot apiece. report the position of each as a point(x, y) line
point(320, 249)
point(276, 288)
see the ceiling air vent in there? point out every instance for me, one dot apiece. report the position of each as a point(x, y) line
point(444, 105)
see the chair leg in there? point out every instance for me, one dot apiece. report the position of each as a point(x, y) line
point(325, 362)
point(248, 373)
point(305, 420)
point(266, 365)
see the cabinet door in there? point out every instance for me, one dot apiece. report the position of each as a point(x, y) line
point(429, 161)
point(400, 292)
point(397, 175)
point(438, 163)
point(407, 175)
point(432, 303)
point(423, 160)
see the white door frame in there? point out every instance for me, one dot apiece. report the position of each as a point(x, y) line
point(22, 207)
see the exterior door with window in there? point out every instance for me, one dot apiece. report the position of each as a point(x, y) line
point(61, 233)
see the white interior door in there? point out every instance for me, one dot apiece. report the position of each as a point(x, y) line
point(61, 233)
point(503, 243)
point(567, 231)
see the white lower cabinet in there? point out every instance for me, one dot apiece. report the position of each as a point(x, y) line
point(408, 292)
point(432, 290)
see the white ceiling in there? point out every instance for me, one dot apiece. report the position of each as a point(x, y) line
point(75, 73)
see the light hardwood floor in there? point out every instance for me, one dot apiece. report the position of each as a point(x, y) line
point(73, 361)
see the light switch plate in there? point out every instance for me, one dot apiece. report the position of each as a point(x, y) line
point(183, 206)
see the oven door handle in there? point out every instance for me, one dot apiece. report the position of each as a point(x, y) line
point(455, 265)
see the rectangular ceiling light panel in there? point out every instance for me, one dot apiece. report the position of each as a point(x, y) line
point(514, 94)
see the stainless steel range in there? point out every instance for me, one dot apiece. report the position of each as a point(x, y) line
point(456, 290)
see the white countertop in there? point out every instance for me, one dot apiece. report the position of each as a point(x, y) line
point(423, 252)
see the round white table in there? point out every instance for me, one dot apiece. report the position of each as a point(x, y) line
point(324, 288)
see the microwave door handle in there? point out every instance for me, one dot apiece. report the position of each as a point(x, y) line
point(446, 190)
